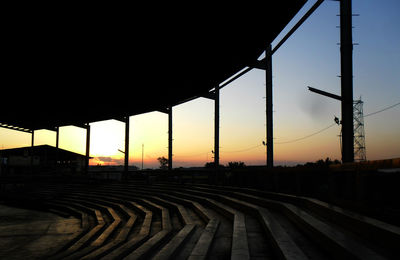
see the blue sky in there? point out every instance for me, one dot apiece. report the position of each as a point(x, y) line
point(310, 57)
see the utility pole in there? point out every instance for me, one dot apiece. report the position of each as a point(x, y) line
point(216, 128)
point(346, 68)
point(269, 113)
point(346, 82)
point(170, 138)
point(126, 158)
point(87, 126)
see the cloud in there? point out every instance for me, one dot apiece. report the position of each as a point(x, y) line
point(109, 160)
point(317, 107)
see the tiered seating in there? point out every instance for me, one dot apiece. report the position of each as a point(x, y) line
point(172, 221)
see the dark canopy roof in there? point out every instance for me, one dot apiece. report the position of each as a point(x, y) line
point(68, 65)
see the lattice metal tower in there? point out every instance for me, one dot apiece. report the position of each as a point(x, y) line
point(359, 133)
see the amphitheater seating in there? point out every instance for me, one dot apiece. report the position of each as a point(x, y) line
point(134, 220)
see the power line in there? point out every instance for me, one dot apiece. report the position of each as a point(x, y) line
point(379, 111)
point(192, 155)
point(307, 136)
point(297, 139)
point(326, 128)
point(243, 150)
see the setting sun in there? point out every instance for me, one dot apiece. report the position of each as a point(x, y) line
point(106, 138)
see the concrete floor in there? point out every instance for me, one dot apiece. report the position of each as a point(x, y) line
point(30, 234)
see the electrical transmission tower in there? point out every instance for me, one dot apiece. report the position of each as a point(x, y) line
point(359, 133)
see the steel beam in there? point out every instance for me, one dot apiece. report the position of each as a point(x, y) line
point(126, 160)
point(208, 95)
point(163, 110)
point(346, 68)
point(297, 25)
point(57, 136)
point(324, 93)
point(258, 64)
point(170, 138)
point(269, 112)
point(216, 127)
point(87, 126)
point(11, 127)
point(32, 145)
point(236, 77)
point(32, 138)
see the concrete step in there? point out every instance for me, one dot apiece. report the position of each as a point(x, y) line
point(334, 241)
point(145, 249)
point(182, 195)
point(98, 201)
point(178, 241)
point(94, 232)
point(385, 235)
point(119, 239)
point(71, 210)
point(104, 235)
point(170, 221)
point(239, 248)
point(136, 241)
point(205, 241)
point(149, 244)
point(282, 243)
point(122, 234)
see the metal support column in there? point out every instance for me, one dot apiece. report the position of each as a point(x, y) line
point(216, 127)
point(57, 144)
point(126, 161)
point(87, 148)
point(346, 67)
point(170, 138)
point(269, 113)
point(32, 145)
point(57, 136)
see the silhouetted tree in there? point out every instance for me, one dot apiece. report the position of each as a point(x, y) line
point(322, 163)
point(336, 161)
point(163, 163)
point(211, 165)
point(235, 165)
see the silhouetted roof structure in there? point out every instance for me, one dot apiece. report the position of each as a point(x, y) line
point(41, 150)
point(69, 65)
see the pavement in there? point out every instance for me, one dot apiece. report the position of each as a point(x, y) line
point(30, 234)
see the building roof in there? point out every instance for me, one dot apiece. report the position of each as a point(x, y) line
point(41, 150)
point(70, 65)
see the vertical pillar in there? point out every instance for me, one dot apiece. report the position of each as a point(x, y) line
point(269, 112)
point(170, 138)
point(32, 145)
point(216, 128)
point(126, 161)
point(346, 68)
point(57, 136)
point(87, 148)
point(33, 138)
point(57, 144)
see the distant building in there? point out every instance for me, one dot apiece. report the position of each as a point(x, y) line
point(40, 159)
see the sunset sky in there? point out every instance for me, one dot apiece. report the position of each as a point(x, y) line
point(309, 58)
